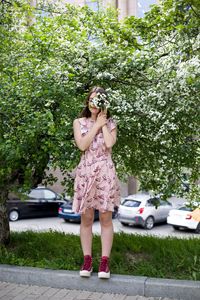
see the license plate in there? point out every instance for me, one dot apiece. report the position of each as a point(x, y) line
point(67, 210)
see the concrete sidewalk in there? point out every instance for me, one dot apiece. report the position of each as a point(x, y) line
point(118, 287)
point(13, 291)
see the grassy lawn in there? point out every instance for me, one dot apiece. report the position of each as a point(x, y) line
point(131, 254)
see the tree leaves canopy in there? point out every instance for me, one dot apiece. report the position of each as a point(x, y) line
point(150, 67)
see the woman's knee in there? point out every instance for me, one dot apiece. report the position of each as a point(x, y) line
point(87, 218)
point(105, 219)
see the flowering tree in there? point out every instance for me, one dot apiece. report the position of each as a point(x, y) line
point(162, 109)
point(149, 67)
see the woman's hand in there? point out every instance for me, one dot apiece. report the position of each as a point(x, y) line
point(101, 119)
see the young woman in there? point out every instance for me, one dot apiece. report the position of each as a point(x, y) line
point(96, 184)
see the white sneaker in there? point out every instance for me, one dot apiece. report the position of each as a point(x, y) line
point(104, 275)
point(86, 273)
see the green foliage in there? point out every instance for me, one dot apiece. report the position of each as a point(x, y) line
point(131, 254)
point(149, 66)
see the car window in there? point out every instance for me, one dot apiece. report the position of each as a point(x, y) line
point(185, 208)
point(37, 194)
point(149, 203)
point(153, 202)
point(131, 203)
point(162, 202)
point(49, 195)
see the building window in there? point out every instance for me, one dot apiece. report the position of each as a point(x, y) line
point(143, 6)
point(94, 5)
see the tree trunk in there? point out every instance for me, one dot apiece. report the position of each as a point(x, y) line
point(132, 185)
point(4, 221)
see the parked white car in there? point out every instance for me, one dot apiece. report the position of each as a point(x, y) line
point(144, 210)
point(181, 218)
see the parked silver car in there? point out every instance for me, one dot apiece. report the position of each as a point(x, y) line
point(143, 210)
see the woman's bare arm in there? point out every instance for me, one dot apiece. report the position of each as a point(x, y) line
point(109, 137)
point(83, 142)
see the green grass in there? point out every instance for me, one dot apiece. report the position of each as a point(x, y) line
point(131, 254)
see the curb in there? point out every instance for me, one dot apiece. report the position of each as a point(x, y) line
point(117, 284)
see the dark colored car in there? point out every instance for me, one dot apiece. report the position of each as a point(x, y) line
point(65, 212)
point(40, 202)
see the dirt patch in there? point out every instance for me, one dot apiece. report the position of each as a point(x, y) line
point(134, 257)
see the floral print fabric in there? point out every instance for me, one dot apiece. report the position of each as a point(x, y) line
point(96, 184)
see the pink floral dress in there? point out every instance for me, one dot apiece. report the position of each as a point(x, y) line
point(96, 184)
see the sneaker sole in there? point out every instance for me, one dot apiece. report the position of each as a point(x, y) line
point(104, 275)
point(85, 273)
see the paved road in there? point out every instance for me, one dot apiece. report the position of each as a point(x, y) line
point(12, 291)
point(57, 224)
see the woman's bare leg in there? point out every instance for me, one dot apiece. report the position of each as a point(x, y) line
point(106, 232)
point(87, 220)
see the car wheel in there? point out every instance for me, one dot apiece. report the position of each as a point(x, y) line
point(149, 223)
point(198, 228)
point(176, 227)
point(124, 224)
point(13, 215)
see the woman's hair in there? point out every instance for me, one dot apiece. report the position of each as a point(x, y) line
point(86, 112)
